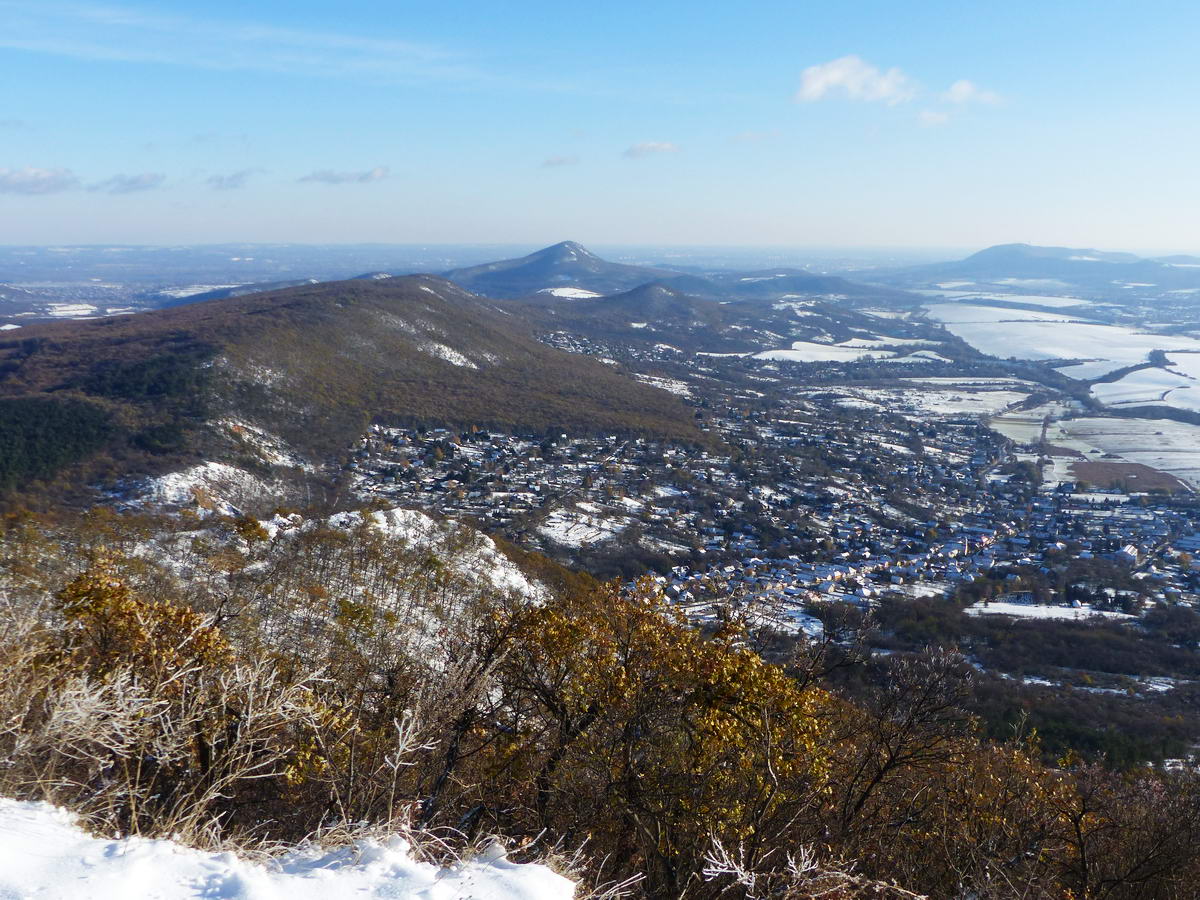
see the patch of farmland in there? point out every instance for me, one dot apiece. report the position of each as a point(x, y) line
point(1029, 334)
point(1171, 447)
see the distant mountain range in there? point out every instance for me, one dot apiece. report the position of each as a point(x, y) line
point(1092, 269)
point(569, 266)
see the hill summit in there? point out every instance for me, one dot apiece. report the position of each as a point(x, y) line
point(564, 265)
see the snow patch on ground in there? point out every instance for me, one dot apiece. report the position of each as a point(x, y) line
point(667, 384)
point(192, 290)
point(449, 354)
point(570, 293)
point(211, 486)
point(265, 446)
point(68, 310)
point(483, 560)
point(44, 854)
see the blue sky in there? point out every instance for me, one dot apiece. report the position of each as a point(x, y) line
point(757, 123)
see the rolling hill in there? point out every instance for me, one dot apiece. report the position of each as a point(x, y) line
point(567, 269)
point(655, 317)
point(784, 283)
point(567, 265)
point(291, 378)
point(649, 314)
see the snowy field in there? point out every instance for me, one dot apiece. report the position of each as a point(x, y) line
point(957, 291)
point(1151, 387)
point(586, 523)
point(1030, 611)
point(70, 310)
point(935, 400)
point(807, 352)
point(44, 855)
point(1036, 300)
point(1029, 334)
point(972, 314)
point(954, 403)
point(192, 290)
point(872, 346)
point(570, 293)
point(1171, 447)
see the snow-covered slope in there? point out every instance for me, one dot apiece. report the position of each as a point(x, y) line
point(44, 855)
point(477, 558)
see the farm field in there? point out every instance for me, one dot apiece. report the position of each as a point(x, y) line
point(1038, 335)
point(1171, 447)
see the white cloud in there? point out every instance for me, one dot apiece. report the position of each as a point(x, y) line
point(932, 117)
point(963, 91)
point(328, 176)
point(31, 180)
point(856, 79)
point(553, 162)
point(130, 184)
point(650, 148)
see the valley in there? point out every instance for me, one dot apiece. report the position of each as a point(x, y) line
point(841, 477)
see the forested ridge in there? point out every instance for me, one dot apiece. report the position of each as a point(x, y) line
point(313, 365)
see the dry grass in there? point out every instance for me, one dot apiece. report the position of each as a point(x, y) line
point(1133, 477)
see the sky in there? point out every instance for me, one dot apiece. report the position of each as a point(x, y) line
point(853, 124)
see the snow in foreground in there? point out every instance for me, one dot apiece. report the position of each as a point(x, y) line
point(44, 855)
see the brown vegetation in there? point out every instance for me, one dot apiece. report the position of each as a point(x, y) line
point(1126, 476)
point(229, 684)
point(314, 365)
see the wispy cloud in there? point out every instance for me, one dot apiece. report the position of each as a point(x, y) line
point(30, 180)
point(963, 92)
point(856, 79)
point(650, 148)
point(554, 162)
point(117, 34)
point(932, 117)
point(328, 176)
point(130, 184)
point(232, 181)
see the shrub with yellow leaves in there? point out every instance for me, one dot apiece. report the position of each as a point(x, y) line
point(109, 625)
point(623, 723)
